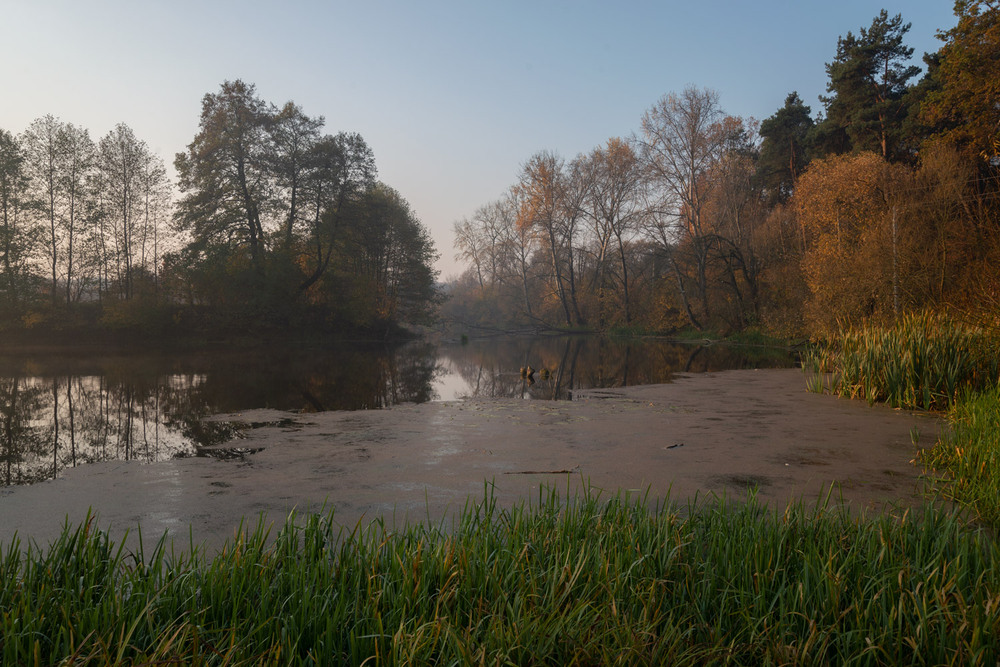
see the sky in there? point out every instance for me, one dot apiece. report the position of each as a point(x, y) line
point(452, 96)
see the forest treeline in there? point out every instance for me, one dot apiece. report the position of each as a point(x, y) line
point(277, 225)
point(886, 201)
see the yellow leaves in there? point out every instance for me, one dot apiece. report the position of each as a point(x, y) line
point(840, 196)
point(846, 207)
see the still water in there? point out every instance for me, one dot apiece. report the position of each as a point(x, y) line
point(63, 410)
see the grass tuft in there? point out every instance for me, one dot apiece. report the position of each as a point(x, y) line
point(968, 455)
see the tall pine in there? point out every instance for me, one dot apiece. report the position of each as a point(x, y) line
point(868, 83)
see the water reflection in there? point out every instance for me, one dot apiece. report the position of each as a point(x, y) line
point(61, 411)
point(57, 422)
point(491, 369)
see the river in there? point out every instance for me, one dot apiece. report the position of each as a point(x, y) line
point(64, 409)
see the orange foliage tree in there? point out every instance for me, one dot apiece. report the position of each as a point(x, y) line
point(850, 214)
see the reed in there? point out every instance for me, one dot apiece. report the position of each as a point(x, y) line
point(925, 361)
point(967, 456)
point(564, 580)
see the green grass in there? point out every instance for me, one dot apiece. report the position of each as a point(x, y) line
point(563, 581)
point(967, 456)
point(757, 337)
point(626, 331)
point(923, 362)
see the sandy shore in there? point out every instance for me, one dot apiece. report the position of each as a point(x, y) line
point(702, 434)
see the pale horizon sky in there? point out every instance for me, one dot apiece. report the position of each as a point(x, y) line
point(452, 97)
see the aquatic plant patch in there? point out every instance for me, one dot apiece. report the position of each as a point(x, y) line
point(922, 362)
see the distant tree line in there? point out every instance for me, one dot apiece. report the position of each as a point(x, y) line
point(887, 201)
point(276, 225)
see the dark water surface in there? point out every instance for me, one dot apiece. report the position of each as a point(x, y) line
point(61, 410)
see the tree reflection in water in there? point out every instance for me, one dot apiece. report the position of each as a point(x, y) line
point(61, 411)
point(491, 368)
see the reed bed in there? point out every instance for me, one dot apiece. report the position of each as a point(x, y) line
point(560, 581)
point(925, 361)
point(930, 362)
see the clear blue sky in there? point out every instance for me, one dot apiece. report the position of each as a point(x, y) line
point(452, 96)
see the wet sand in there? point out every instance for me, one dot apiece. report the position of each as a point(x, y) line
point(717, 433)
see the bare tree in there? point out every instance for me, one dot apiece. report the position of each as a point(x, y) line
point(616, 204)
point(471, 246)
point(156, 212)
point(736, 212)
point(133, 186)
point(16, 234)
point(541, 190)
point(683, 137)
point(77, 159)
point(575, 186)
point(42, 146)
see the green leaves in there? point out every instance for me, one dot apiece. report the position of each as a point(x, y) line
point(285, 221)
point(868, 82)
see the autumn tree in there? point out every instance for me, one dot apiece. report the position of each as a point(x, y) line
point(518, 242)
point(858, 239)
point(338, 169)
point(224, 176)
point(966, 103)
point(541, 188)
point(275, 210)
point(388, 256)
point(616, 206)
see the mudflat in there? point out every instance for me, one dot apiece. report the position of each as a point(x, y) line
point(715, 433)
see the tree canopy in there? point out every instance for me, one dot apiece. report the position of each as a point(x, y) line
point(965, 103)
point(277, 225)
point(868, 83)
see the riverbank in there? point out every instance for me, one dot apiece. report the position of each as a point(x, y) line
point(714, 433)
